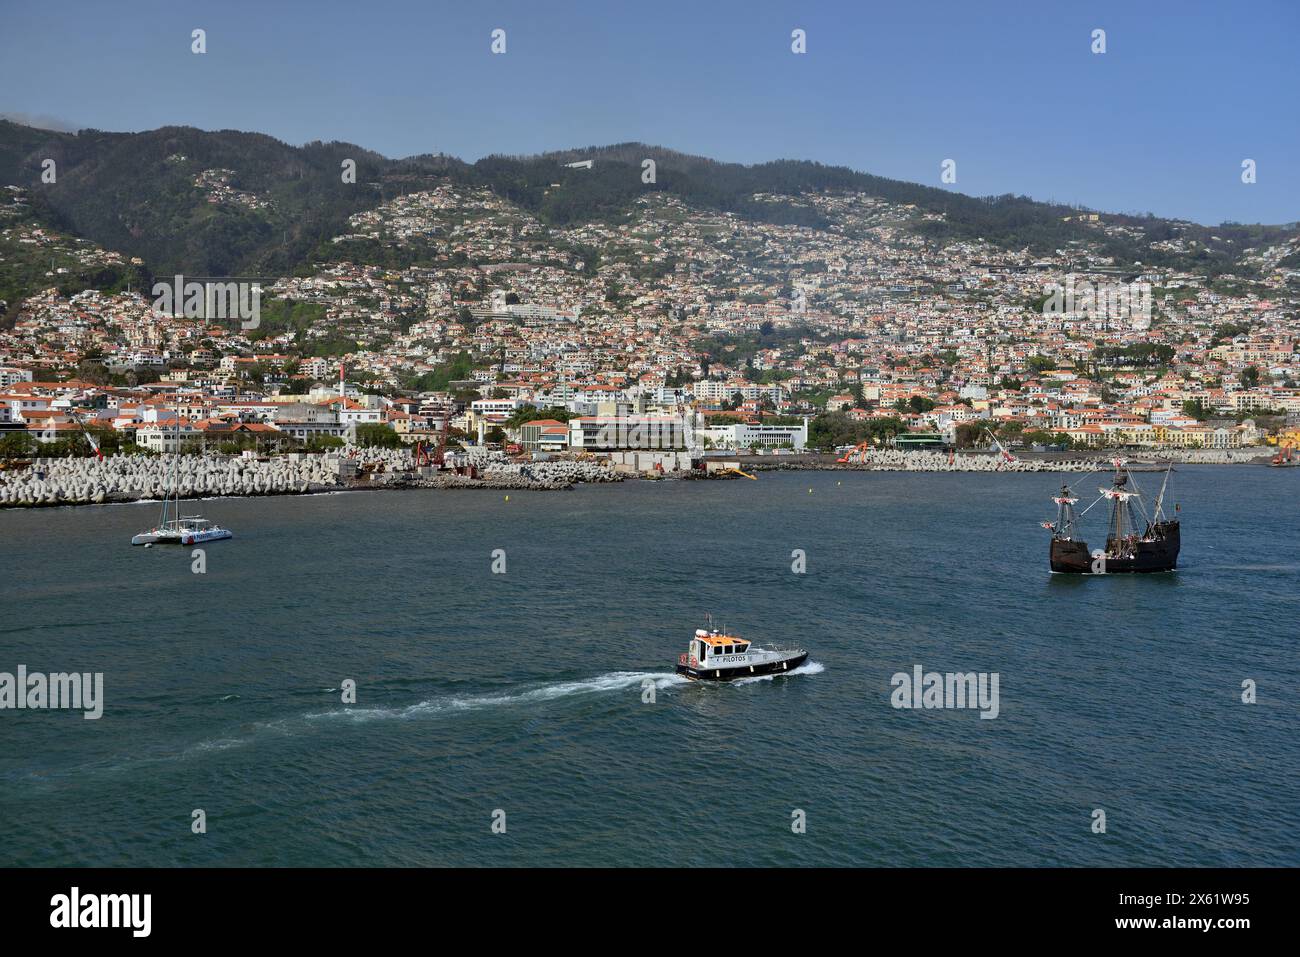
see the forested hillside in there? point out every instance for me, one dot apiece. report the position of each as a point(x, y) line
point(229, 203)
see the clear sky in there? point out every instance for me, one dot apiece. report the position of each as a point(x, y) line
point(1011, 91)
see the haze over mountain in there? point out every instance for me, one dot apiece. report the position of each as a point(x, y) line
point(151, 195)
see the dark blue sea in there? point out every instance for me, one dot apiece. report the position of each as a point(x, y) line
point(523, 692)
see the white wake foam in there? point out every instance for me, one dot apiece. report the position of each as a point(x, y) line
point(807, 668)
point(615, 681)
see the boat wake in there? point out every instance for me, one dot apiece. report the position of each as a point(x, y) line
point(615, 681)
point(625, 681)
point(807, 668)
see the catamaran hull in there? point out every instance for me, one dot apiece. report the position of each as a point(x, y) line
point(176, 538)
point(744, 671)
point(1159, 555)
point(198, 538)
point(156, 538)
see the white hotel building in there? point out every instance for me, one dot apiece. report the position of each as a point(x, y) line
point(741, 436)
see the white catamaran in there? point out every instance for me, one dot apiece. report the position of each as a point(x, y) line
point(174, 528)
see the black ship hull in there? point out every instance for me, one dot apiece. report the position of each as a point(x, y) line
point(1157, 552)
point(747, 671)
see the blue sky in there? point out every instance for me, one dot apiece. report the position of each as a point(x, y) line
point(1011, 91)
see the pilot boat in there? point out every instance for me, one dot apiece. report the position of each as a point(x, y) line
point(715, 656)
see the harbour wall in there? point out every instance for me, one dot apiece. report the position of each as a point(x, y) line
point(131, 478)
point(893, 460)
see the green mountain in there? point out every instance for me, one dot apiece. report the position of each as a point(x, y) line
point(34, 256)
point(230, 203)
point(140, 193)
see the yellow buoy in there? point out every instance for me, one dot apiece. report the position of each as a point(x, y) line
point(507, 498)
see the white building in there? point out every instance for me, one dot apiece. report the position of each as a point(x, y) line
point(633, 432)
point(166, 438)
point(742, 436)
point(493, 411)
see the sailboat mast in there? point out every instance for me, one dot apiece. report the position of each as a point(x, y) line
point(176, 485)
point(1064, 513)
point(1118, 503)
point(1160, 499)
point(171, 474)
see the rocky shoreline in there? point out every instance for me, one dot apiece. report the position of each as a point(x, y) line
point(889, 460)
point(134, 478)
point(125, 478)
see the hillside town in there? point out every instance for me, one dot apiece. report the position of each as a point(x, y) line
point(486, 327)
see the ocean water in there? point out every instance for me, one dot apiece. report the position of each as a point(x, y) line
point(524, 692)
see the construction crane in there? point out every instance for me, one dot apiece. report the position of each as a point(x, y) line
point(1004, 456)
point(90, 439)
point(440, 453)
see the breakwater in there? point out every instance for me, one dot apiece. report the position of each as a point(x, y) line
point(892, 460)
point(131, 478)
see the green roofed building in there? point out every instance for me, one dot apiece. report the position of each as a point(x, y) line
point(918, 440)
